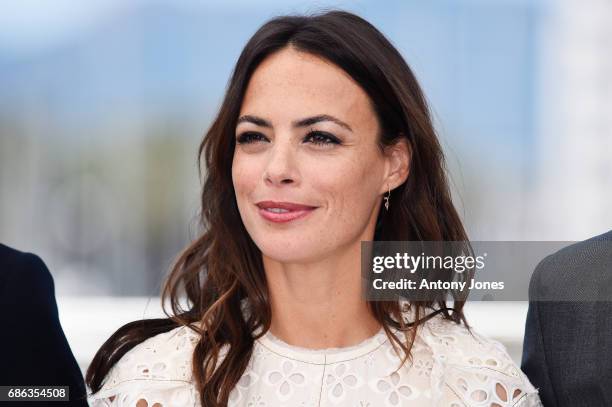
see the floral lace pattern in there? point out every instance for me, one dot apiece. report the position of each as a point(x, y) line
point(449, 367)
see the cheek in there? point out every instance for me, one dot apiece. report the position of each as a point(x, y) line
point(243, 176)
point(352, 186)
point(244, 179)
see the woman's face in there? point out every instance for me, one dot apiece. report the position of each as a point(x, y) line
point(307, 135)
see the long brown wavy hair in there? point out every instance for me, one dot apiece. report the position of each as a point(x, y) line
point(223, 266)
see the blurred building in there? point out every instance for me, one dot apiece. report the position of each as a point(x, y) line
point(574, 189)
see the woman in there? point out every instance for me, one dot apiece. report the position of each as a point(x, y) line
point(321, 121)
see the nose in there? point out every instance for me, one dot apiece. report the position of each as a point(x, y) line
point(281, 167)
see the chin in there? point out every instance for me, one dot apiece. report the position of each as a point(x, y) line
point(283, 252)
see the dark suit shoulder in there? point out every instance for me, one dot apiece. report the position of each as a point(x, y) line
point(20, 270)
point(27, 264)
point(577, 271)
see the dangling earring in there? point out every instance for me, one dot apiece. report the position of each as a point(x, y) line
point(387, 198)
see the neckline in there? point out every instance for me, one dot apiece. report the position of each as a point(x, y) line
point(322, 356)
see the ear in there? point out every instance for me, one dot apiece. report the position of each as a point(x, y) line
point(398, 157)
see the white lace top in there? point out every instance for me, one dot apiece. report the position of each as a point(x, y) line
point(449, 367)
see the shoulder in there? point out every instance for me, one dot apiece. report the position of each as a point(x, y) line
point(575, 270)
point(577, 253)
point(166, 356)
point(157, 370)
point(472, 369)
point(456, 346)
point(23, 267)
point(23, 273)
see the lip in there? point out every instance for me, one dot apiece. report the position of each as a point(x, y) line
point(296, 211)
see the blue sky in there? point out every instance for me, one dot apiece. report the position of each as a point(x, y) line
point(28, 26)
point(91, 62)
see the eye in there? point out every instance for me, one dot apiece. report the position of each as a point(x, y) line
point(249, 137)
point(315, 137)
point(322, 138)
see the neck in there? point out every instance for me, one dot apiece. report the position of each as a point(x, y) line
point(320, 305)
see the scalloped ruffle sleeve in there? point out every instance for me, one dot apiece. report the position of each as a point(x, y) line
point(155, 373)
point(469, 369)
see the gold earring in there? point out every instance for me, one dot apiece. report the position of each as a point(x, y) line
point(387, 198)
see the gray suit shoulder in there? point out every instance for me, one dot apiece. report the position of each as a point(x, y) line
point(580, 271)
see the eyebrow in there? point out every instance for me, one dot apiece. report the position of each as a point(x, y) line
point(298, 123)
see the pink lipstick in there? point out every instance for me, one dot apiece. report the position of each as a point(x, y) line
point(283, 211)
